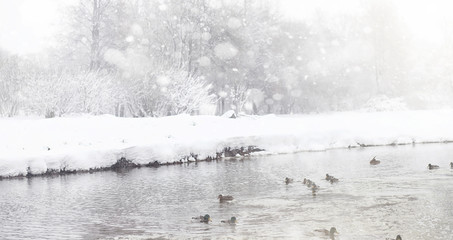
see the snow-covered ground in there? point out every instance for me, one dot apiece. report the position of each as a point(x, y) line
point(83, 142)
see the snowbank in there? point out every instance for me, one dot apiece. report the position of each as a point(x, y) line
point(84, 142)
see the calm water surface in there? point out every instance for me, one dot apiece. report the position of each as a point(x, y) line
point(399, 196)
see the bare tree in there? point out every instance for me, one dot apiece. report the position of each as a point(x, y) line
point(94, 27)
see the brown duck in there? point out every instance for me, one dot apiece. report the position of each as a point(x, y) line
point(288, 180)
point(326, 232)
point(225, 198)
point(374, 161)
point(431, 167)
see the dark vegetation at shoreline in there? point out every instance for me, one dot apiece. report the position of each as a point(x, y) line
point(124, 163)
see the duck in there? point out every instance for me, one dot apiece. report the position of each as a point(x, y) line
point(205, 219)
point(451, 165)
point(374, 161)
point(330, 233)
point(431, 167)
point(315, 187)
point(328, 177)
point(288, 180)
point(225, 198)
point(398, 237)
point(333, 180)
point(313, 192)
point(231, 221)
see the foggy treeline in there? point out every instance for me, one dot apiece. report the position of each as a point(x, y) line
point(158, 58)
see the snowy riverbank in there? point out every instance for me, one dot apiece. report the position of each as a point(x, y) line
point(84, 142)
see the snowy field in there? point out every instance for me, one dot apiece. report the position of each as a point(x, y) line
point(84, 142)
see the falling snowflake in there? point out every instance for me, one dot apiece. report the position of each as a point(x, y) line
point(163, 81)
point(296, 93)
point(222, 94)
point(136, 30)
point(277, 97)
point(206, 36)
point(234, 23)
point(269, 101)
point(204, 61)
point(163, 7)
point(130, 39)
point(225, 51)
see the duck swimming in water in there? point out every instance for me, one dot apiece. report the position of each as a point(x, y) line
point(232, 221)
point(313, 192)
point(398, 237)
point(225, 198)
point(314, 189)
point(431, 167)
point(333, 180)
point(374, 161)
point(288, 180)
point(330, 233)
point(328, 177)
point(205, 219)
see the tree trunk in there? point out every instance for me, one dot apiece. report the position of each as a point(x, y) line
point(95, 21)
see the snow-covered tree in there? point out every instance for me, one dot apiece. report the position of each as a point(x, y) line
point(10, 85)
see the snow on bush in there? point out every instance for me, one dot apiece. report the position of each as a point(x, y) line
point(383, 103)
point(10, 87)
point(167, 92)
point(186, 93)
point(51, 94)
point(59, 93)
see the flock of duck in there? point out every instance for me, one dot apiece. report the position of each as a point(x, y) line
point(430, 166)
point(314, 189)
point(232, 221)
point(312, 185)
point(207, 218)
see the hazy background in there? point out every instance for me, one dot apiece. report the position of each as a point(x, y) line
point(163, 57)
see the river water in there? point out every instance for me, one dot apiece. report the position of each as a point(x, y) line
point(399, 196)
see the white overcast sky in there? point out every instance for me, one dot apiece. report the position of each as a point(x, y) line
point(28, 26)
